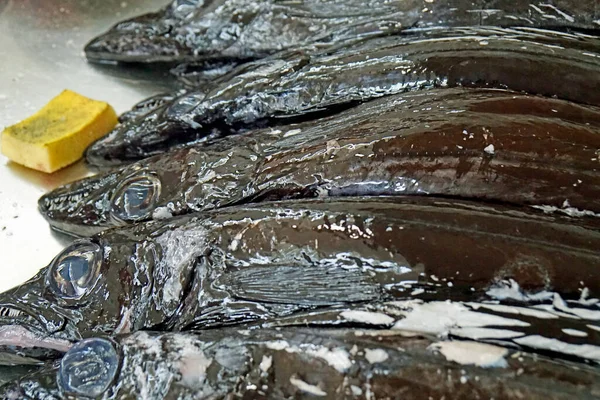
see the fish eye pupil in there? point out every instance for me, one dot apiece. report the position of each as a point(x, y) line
point(135, 195)
point(73, 272)
point(89, 367)
point(135, 198)
point(73, 268)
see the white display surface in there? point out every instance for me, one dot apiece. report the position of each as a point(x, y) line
point(41, 47)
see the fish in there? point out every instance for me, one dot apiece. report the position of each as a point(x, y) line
point(306, 86)
point(263, 263)
point(238, 30)
point(301, 363)
point(480, 144)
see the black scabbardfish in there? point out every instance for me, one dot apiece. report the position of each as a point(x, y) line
point(237, 30)
point(276, 263)
point(491, 145)
point(301, 363)
point(278, 91)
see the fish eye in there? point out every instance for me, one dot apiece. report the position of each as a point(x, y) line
point(135, 198)
point(88, 368)
point(74, 271)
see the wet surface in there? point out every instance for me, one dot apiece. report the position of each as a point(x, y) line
point(477, 144)
point(304, 364)
point(482, 281)
point(42, 47)
point(290, 263)
point(305, 85)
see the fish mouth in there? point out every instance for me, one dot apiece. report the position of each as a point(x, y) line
point(24, 341)
point(142, 39)
point(132, 47)
point(78, 209)
point(107, 153)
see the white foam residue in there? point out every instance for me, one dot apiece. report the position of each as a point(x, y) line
point(586, 351)
point(192, 367)
point(594, 327)
point(439, 317)
point(306, 387)
point(489, 149)
point(584, 313)
point(485, 333)
point(570, 211)
point(277, 345)
point(292, 132)
point(585, 299)
point(266, 363)
point(161, 213)
point(528, 312)
point(472, 353)
point(356, 390)
point(150, 345)
point(179, 247)
point(338, 358)
point(574, 332)
point(550, 308)
point(367, 317)
point(376, 355)
point(511, 290)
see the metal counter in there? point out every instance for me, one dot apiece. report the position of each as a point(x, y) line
point(41, 48)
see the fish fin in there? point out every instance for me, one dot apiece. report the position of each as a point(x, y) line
point(301, 285)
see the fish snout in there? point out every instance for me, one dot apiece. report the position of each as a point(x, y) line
point(133, 46)
point(79, 209)
point(25, 339)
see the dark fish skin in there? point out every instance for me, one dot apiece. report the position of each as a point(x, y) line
point(269, 262)
point(299, 364)
point(544, 153)
point(279, 91)
point(237, 30)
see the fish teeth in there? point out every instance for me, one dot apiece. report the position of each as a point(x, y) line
point(10, 312)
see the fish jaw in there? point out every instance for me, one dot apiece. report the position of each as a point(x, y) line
point(140, 39)
point(142, 137)
point(133, 47)
point(31, 331)
point(80, 208)
point(20, 345)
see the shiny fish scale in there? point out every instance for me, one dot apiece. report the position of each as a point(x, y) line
point(292, 262)
point(341, 363)
point(423, 143)
point(242, 29)
point(298, 85)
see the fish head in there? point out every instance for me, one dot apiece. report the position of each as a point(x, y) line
point(112, 283)
point(144, 38)
point(41, 318)
point(120, 197)
point(185, 30)
point(146, 135)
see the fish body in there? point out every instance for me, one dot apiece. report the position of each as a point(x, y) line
point(276, 263)
point(237, 30)
point(299, 86)
point(491, 145)
point(301, 363)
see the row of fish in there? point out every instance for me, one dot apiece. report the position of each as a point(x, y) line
point(348, 200)
point(477, 144)
point(298, 364)
point(406, 264)
point(300, 85)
